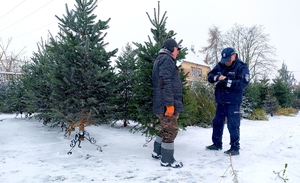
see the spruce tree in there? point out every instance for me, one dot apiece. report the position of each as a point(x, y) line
point(78, 66)
point(30, 93)
point(204, 110)
point(13, 99)
point(271, 105)
point(37, 80)
point(263, 90)
point(296, 100)
point(126, 77)
point(255, 94)
point(252, 94)
point(147, 53)
point(282, 92)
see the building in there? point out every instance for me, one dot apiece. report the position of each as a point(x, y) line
point(195, 68)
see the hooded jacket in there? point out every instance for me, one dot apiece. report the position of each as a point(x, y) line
point(167, 84)
point(230, 91)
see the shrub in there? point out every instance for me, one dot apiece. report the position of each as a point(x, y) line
point(271, 105)
point(259, 115)
point(296, 103)
point(246, 107)
point(287, 111)
point(204, 109)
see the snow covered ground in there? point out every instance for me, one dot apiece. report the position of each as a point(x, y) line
point(33, 153)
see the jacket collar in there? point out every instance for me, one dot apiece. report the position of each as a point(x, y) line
point(165, 51)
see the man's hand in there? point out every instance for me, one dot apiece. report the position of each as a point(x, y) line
point(169, 111)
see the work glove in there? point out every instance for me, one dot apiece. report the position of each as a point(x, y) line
point(170, 111)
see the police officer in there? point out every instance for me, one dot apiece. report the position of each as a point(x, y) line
point(232, 77)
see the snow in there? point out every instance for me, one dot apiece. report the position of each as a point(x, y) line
point(193, 58)
point(31, 152)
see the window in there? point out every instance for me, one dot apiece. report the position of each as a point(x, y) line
point(192, 72)
point(199, 72)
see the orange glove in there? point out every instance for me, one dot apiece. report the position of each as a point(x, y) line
point(169, 111)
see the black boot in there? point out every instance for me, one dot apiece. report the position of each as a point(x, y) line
point(214, 147)
point(167, 156)
point(156, 154)
point(232, 152)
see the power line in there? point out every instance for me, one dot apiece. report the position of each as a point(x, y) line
point(35, 30)
point(26, 16)
point(12, 9)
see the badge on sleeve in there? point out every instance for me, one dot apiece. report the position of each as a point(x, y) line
point(247, 77)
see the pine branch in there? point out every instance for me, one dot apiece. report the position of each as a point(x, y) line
point(233, 172)
point(285, 179)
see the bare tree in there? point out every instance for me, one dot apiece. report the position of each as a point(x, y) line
point(252, 45)
point(213, 50)
point(193, 49)
point(9, 61)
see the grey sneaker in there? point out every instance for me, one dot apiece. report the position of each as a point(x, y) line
point(214, 147)
point(232, 152)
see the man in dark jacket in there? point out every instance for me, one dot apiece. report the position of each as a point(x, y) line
point(167, 102)
point(232, 77)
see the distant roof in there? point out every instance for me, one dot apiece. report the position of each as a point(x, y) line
point(193, 58)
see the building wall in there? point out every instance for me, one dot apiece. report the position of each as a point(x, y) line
point(195, 72)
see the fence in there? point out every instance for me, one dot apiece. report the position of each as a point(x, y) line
point(6, 76)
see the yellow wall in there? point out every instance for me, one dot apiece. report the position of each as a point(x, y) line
point(186, 68)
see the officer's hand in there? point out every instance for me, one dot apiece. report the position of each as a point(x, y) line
point(223, 82)
point(170, 111)
point(221, 77)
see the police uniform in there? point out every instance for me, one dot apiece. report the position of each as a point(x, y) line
point(228, 96)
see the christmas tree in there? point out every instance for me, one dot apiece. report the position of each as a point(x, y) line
point(76, 67)
point(147, 53)
point(126, 78)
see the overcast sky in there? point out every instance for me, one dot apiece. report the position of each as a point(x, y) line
point(27, 21)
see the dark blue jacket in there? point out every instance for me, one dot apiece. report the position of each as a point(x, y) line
point(230, 91)
point(167, 84)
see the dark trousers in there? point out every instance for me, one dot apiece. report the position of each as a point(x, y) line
point(169, 127)
point(232, 113)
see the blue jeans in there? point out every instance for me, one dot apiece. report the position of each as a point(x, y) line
point(232, 113)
